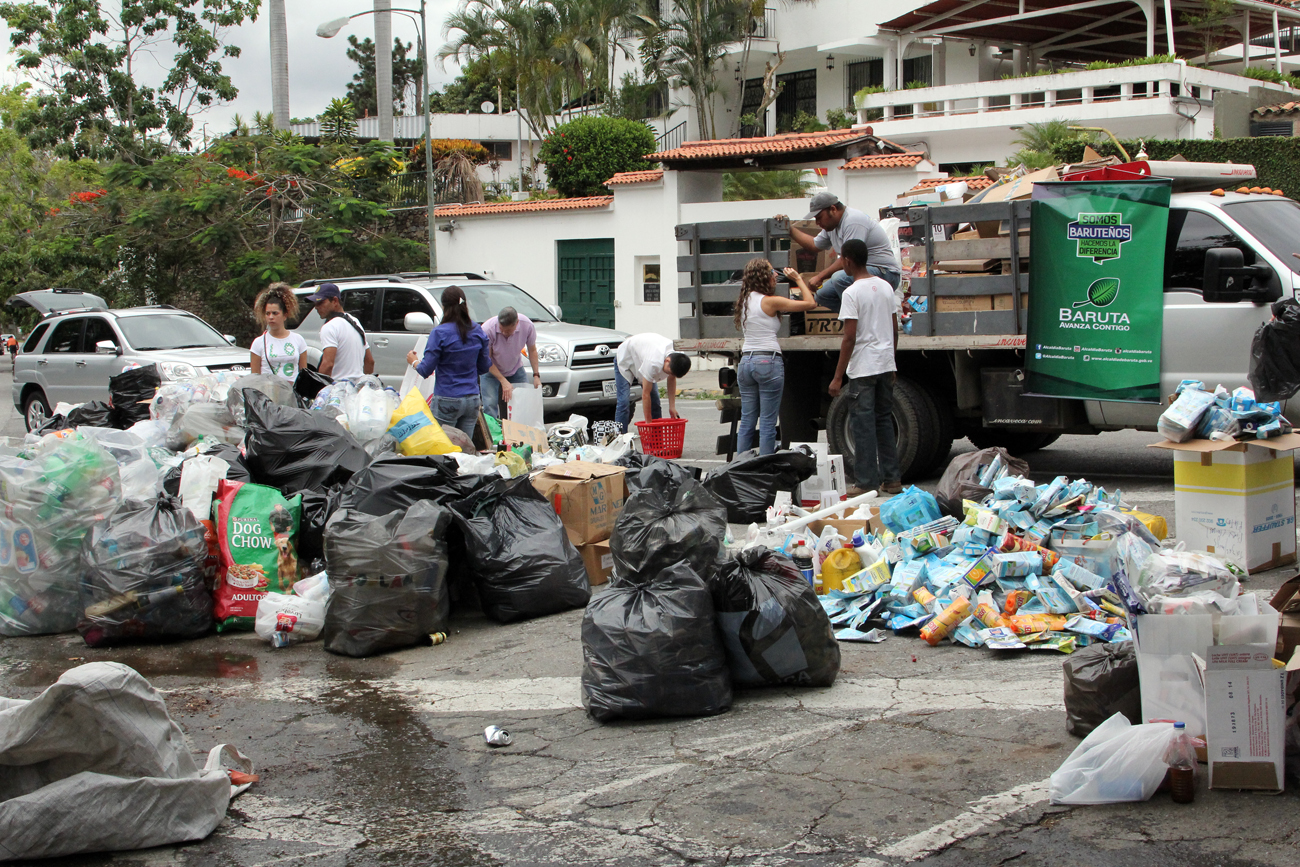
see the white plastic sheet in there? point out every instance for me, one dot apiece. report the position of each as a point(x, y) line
point(412, 379)
point(1118, 762)
point(526, 406)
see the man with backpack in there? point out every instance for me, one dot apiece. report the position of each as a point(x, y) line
point(344, 349)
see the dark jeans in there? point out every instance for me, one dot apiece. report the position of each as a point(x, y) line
point(623, 401)
point(490, 390)
point(761, 379)
point(832, 290)
point(875, 450)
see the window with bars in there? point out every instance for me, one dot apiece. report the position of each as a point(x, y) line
point(798, 93)
point(918, 69)
point(860, 74)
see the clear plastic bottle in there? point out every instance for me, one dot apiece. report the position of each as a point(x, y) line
point(1181, 758)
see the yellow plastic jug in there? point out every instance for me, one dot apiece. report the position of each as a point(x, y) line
point(839, 564)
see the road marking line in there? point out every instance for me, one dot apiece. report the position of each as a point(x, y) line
point(982, 813)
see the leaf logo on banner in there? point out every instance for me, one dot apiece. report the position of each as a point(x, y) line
point(1101, 293)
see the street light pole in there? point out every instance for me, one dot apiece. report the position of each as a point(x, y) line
point(384, 68)
point(428, 138)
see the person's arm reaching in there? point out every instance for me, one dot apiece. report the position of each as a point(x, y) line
point(846, 351)
point(532, 359)
point(255, 362)
point(368, 366)
point(484, 356)
point(672, 396)
point(895, 377)
point(774, 304)
point(646, 386)
point(507, 388)
point(802, 238)
point(429, 363)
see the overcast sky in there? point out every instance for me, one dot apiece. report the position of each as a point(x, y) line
point(319, 69)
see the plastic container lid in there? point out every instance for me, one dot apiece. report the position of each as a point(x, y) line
point(1179, 725)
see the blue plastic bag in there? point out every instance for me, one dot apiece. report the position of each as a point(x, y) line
point(909, 509)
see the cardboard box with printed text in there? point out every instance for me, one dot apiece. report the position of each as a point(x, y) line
point(587, 496)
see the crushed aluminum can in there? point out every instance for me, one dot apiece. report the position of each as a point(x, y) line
point(279, 639)
point(497, 736)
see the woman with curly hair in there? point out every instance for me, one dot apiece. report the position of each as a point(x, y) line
point(761, 372)
point(279, 351)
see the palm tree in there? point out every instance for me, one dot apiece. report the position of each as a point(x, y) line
point(695, 36)
point(338, 122)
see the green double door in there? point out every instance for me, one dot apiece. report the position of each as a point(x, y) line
point(586, 281)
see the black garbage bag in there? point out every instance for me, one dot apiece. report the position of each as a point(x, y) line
point(143, 575)
point(238, 472)
point(660, 527)
point(317, 507)
point(1275, 353)
point(747, 486)
point(650, 471)
point(774, 628)
point(94, 413)
point(131, 391)
point(960, 480)
point(396, 481)
point(309, 383)
point(1100, 681)
point(651, 648)
point(295, 449)
point(388, 579)
point(518, 552)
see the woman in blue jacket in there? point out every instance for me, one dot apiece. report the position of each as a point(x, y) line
point(457, 352)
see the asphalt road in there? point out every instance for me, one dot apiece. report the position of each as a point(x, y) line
point(916, 755)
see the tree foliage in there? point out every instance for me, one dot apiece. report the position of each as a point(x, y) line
point(583, 154)
point(475, 85)
point(338, 123)
point(408, 78)
point(778, 184)
point(694, 37)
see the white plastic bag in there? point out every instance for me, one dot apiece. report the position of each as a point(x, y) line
point(1118, 762)
point(199, 477)
point(526, 406)
point(478, 465)
point(412, 379)
point(295, 617)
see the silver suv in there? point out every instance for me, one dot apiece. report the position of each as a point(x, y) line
point(71, 354)
point(576, 361)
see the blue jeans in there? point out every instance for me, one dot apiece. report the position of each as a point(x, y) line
point(875, 458)
point(623, 405)
point(761, 378)
point(832, 290)
point(457, 412)
point(490, 390)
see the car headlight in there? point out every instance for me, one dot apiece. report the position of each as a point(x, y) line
point(178, 370)
point(550, 353)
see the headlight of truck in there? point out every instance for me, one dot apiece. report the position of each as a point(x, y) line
point(178, 370)
point(550, 353)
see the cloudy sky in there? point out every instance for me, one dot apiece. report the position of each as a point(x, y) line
point(319, 69)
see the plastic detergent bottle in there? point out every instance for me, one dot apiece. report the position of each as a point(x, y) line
point(946, 621)
point(803, 560)
point(1181, 758)
point(839, 564)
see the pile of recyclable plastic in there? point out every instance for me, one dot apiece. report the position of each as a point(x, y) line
point(1220, 415)
point(363, 405)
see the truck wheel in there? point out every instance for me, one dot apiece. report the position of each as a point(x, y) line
point(945, 432)
point(914, 429)
point(36, 410)
point(1017, 442)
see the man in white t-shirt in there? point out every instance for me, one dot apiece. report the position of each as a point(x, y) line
point(345, 351)
point(867, 350)
point(647, 360)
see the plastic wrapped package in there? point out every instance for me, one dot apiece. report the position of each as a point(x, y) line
point(279, 390)
point(416, 430)
point(143, 575)
point(236, 469)
point(151, 432)
point(139, 473)
point(961, 480)
point(659, 527)
point(1178, 423)
point(52, 495)
point(1185, 574)
point(292, 449)
point(519, 554)
point(211, 422)
point(1275, 353)
point(652, 648)
point(388, 579)
point(1116, 763)
point(290, 618)
point(362, 405)
point(395, 482)
point(909, 509)
point(130, 393)
point(747, 486)
point(650, 471)
point(257, 529)
point(1101, 680)
point(774, 628)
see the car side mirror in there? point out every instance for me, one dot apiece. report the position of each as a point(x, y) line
point(555, 310)
point(229, 338)
point(107, 347)
point(1228, 279)
point(418, 323)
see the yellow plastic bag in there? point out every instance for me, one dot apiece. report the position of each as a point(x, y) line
point(1156, 524)
point(416, 430)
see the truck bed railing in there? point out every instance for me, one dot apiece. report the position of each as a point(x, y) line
point(760, 236)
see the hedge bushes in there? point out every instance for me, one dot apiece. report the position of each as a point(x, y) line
point(1276, 159)
point(582, 154)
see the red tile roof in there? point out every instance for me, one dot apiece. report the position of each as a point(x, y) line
point(1282, 108)
point(475, 209)
point(884, 161)
point(636, 177)
point(789, 142)
point(977, 182)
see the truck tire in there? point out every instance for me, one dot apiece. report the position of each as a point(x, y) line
point(914, 428)
point(945, 432)
point(1017, 442)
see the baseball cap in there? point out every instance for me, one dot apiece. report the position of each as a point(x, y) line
point(821, 202)
point(325, 290)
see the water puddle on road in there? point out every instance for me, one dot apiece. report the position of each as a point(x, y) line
point(161, 661)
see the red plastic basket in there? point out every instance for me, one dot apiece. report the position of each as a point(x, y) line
point(663, 437)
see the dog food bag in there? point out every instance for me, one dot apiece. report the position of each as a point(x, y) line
point(257, 534)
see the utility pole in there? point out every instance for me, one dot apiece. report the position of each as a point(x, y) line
point(384, 67)
point(279, 65)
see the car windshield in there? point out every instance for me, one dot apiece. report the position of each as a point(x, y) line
point(1275, 222)
point(169, 331)
point(486, 301)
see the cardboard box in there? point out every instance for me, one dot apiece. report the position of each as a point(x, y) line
point(846, 528)
point(599, 562)
point(829, 477)
point(1237, 499)
point(1287, 603)
point(1170, 679)
point(1003, 302)
point(586, 496)
point(1245, 712)
point(963, 303)
point(516, 434)
point(822, 322)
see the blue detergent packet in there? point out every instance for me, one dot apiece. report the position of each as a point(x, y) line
point(1080, 577)
point(1095, 628)
point(1017, 564)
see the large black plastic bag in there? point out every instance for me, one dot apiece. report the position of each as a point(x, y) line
point(93, 413)
point(960, 480)
point(396, 481)
point(659, 527)
point(143, 575)
point(647, 471)
point(292, 449)
point(1275, 353)
point(774, 628)
point(652, 648)
point(1101, 680)
point(747, 486)
point(388, 579)
point(519, 554)
point(131, 390)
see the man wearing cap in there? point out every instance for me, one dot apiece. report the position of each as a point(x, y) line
point(344, 349)
point(839, 224)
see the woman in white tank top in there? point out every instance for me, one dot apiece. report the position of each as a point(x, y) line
point(761, 372)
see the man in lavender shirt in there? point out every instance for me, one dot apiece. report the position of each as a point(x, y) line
point(508, 333)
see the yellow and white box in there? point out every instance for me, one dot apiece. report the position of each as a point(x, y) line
point(1237, 499)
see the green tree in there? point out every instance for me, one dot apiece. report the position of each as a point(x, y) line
point(408, 77)
point(475, 85)
point(85, 54)
point(338, 123)
point(695, 34)
point(583, 154)
point(1211, 23)
point(780, 184)
point(1037, 141)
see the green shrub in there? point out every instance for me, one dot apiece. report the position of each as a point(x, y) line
point(581, 155)
point(1276, 159)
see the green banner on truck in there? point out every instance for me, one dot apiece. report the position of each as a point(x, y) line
point(1096, 270)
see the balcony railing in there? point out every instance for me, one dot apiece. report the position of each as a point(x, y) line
point(671, 139)
point(1081, 87)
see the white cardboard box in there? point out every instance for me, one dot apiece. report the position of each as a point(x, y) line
point(829, 477)
point(1167, 648)
point(1245, 712)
